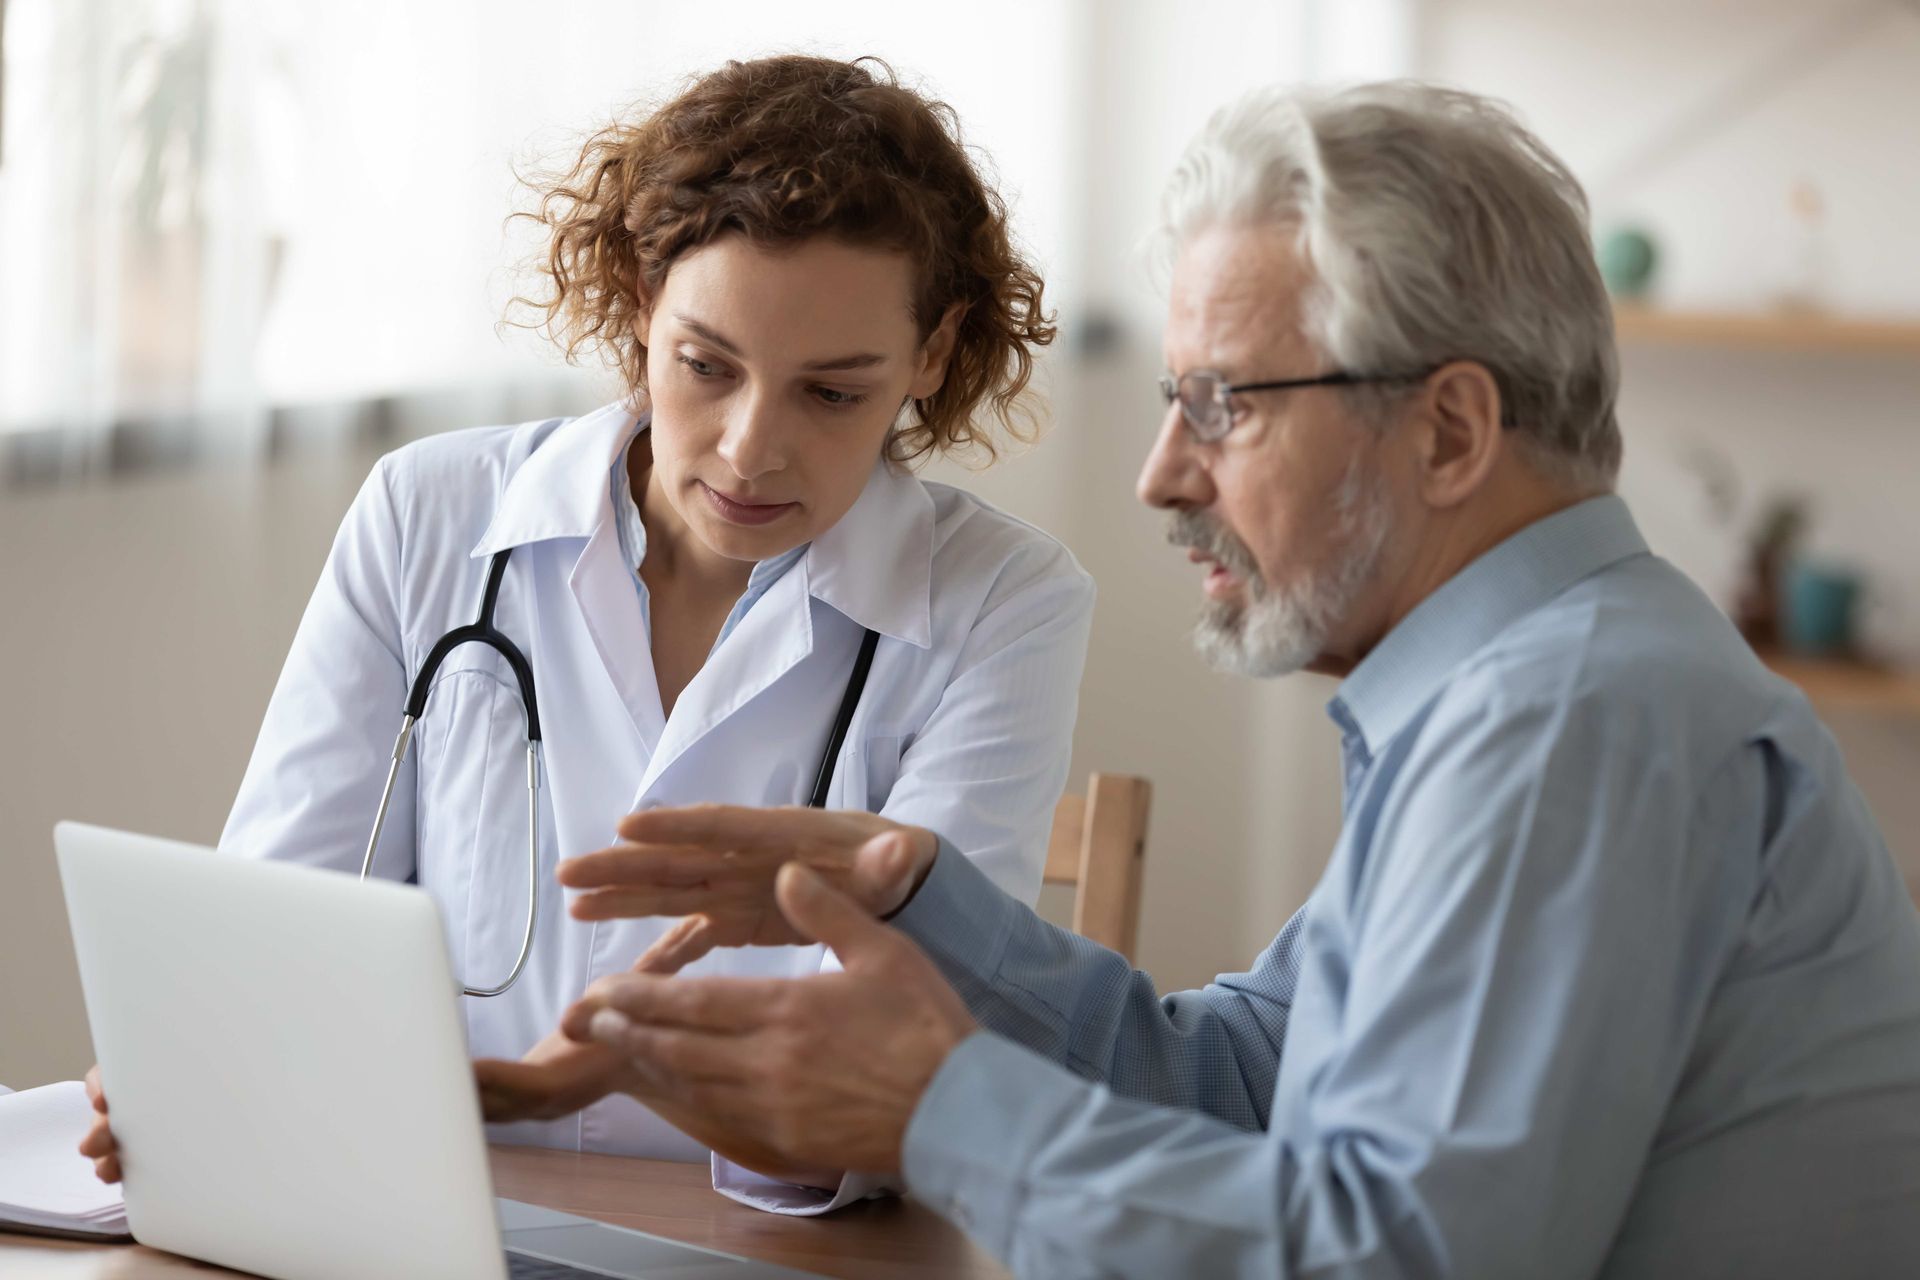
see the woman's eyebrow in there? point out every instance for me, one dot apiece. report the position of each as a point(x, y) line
point(859, 360)
point(864, 360)
point(708, 334)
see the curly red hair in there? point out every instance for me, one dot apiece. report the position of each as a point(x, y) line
point(783, 149)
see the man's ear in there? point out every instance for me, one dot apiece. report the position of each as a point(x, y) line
point(936, 353)
point(1458, 414)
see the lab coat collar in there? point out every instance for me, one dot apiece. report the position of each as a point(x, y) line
point(875, 565)
point(560, 491)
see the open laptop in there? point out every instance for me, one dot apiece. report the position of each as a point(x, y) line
point(284, 1053)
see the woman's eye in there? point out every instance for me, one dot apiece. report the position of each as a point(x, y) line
point(701, 368)
point(829, 396)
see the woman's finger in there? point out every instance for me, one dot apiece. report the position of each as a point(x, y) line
point(513, 1091)
point(719, 826)
point(651, 864)
point(501, 1098)
point(98, 1140)
point(634, 903)
point(688, 940)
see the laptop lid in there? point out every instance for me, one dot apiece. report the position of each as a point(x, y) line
point(249, 1019)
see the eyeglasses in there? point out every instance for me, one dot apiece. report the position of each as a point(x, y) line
point(1206, 398)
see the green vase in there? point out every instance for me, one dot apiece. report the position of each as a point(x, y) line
point(1628, 259)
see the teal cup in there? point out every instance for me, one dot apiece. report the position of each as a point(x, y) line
point(1819, 604)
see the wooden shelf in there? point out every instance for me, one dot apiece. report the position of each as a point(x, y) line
point(1769, 331)
point(1850, 686)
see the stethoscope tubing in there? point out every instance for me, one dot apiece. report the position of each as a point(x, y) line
point(483, 632)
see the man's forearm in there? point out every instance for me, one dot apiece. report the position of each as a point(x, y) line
point(1086, 1008)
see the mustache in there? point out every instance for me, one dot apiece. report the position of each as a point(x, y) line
point(1205, 534)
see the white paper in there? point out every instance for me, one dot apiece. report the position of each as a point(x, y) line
point(44, 1180)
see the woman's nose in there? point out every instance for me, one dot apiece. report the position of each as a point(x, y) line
point(752, 443)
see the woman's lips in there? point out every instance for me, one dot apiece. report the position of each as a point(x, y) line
point(735, 511)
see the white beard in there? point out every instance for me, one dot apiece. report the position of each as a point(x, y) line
point(1277, 632)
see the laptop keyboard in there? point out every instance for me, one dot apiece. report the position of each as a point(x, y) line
point(522, 1266)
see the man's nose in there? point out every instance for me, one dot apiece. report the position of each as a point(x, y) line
point(1173, 476)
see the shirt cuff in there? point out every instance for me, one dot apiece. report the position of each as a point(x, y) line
point(975, 1132)
point(770, 1195)
point(960, 918)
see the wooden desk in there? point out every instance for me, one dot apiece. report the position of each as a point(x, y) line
point(1843, 685)
point(877, 1239)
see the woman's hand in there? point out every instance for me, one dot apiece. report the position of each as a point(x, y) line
point(715, 865)
point(781, 1073)
point(557, 1077)
point(560, 1076)
point(99, 1145)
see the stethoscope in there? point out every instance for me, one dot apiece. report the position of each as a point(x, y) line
point(485, 633)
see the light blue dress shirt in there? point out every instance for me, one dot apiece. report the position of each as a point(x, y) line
point(1610, 973)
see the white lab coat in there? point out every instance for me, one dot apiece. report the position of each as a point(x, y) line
point(964, 726)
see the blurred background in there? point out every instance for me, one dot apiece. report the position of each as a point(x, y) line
point(247, 247)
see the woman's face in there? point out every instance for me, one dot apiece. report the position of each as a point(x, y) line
point(774, 376)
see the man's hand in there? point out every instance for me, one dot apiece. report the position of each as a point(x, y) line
point(823, 1071)
point(715, 865)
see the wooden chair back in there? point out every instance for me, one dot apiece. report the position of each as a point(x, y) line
point(1098, 846)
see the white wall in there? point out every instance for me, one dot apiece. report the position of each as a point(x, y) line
point(456, 93)
point(1602, 83)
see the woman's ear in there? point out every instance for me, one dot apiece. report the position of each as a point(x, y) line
point(936, 353)
point(1461, 433)
point(639, 400)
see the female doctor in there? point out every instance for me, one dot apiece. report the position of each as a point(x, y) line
point(805, 285)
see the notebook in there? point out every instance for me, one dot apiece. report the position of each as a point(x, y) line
point(46, 1186)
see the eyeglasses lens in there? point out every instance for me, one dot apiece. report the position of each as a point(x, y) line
point(1200, 402)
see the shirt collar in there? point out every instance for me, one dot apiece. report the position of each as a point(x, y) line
point(1410, 664)
point(560, 491)
point(875, 565)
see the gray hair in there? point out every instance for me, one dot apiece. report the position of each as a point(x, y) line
point(1436, 228)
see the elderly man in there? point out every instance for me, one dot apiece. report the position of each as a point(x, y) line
point(1610, 971)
